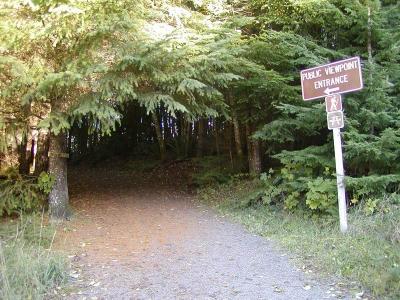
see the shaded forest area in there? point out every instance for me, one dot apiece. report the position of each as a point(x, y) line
point(166, 85)
point(91, 80)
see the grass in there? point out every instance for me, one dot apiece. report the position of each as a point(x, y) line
point(28, 267)
point(367, 256)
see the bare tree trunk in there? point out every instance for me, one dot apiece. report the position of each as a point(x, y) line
point(160, 138)
point(83, 136)
point(236, 127)
point(187, 132)
point(216, 133)
point(21, 147)
point(42, 153)
point(58, 198)
point(200, 138)
point(31, 156)
point(236, 131)
point(166, 125)
point(22, 157)
point(230, 138)
point(253, 152)
point(369, 46)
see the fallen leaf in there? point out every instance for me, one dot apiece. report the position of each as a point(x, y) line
point(278, 289)
point(359, 295)
point(74, 275)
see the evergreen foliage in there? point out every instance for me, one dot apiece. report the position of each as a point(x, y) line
point(206, 77)
point(371, 132)
point(19, 194)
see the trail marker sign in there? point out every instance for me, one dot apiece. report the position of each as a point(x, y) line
point(335, 120)
point(330, 81)
point(335, 78)
point(333, 103)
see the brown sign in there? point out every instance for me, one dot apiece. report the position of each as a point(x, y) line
point(335, 119)
point(334, 78)
point(333, 103)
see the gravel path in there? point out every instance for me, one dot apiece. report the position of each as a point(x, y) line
point(149, 241)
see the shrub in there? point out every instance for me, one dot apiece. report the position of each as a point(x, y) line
point(307, 180)
point(22, 193)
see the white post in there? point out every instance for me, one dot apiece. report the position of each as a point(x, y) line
point(340, 179)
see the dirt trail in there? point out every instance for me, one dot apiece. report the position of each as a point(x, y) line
point(134, 237)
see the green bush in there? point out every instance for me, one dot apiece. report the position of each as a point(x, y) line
point(321, 195)
point(291, 189)
point(306, 182)
point(373, 186)
point(22, 193)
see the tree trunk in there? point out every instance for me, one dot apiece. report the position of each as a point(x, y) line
point(255, 168)
point(58, 198)
point(31, 156)
point(187, 135)
point(236, 131)
point(21, 148)
point(42, 153)
point(166, 125)
point(236, 127)
point(160, 138)
point(216, 133)
point(369, 42)
point(22, 157)
point(83, 136)
point(200, 138)
point(228, 144)
point(253, 152)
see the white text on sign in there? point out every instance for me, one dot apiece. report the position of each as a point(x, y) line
point(330, 70)
point(334, 78)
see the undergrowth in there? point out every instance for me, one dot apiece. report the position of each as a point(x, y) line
point(212, 169)
point(28, 267)
point(368, 255)
point(21, 193)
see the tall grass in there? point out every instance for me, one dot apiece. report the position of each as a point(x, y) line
point(368, 255)
point(28, 267)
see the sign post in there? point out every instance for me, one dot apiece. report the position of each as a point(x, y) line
point(330, 81)
point(337, 141)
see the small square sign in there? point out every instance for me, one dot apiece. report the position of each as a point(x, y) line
point(335, 120)
point(333, 103)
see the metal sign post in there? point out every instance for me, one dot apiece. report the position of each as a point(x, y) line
point(337, 141)
point(330, 81)
point(335, 118)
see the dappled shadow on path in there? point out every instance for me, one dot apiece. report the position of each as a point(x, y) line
point(120, 213)
point(142, 235)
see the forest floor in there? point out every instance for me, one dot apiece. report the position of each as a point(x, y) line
point(143, 235)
